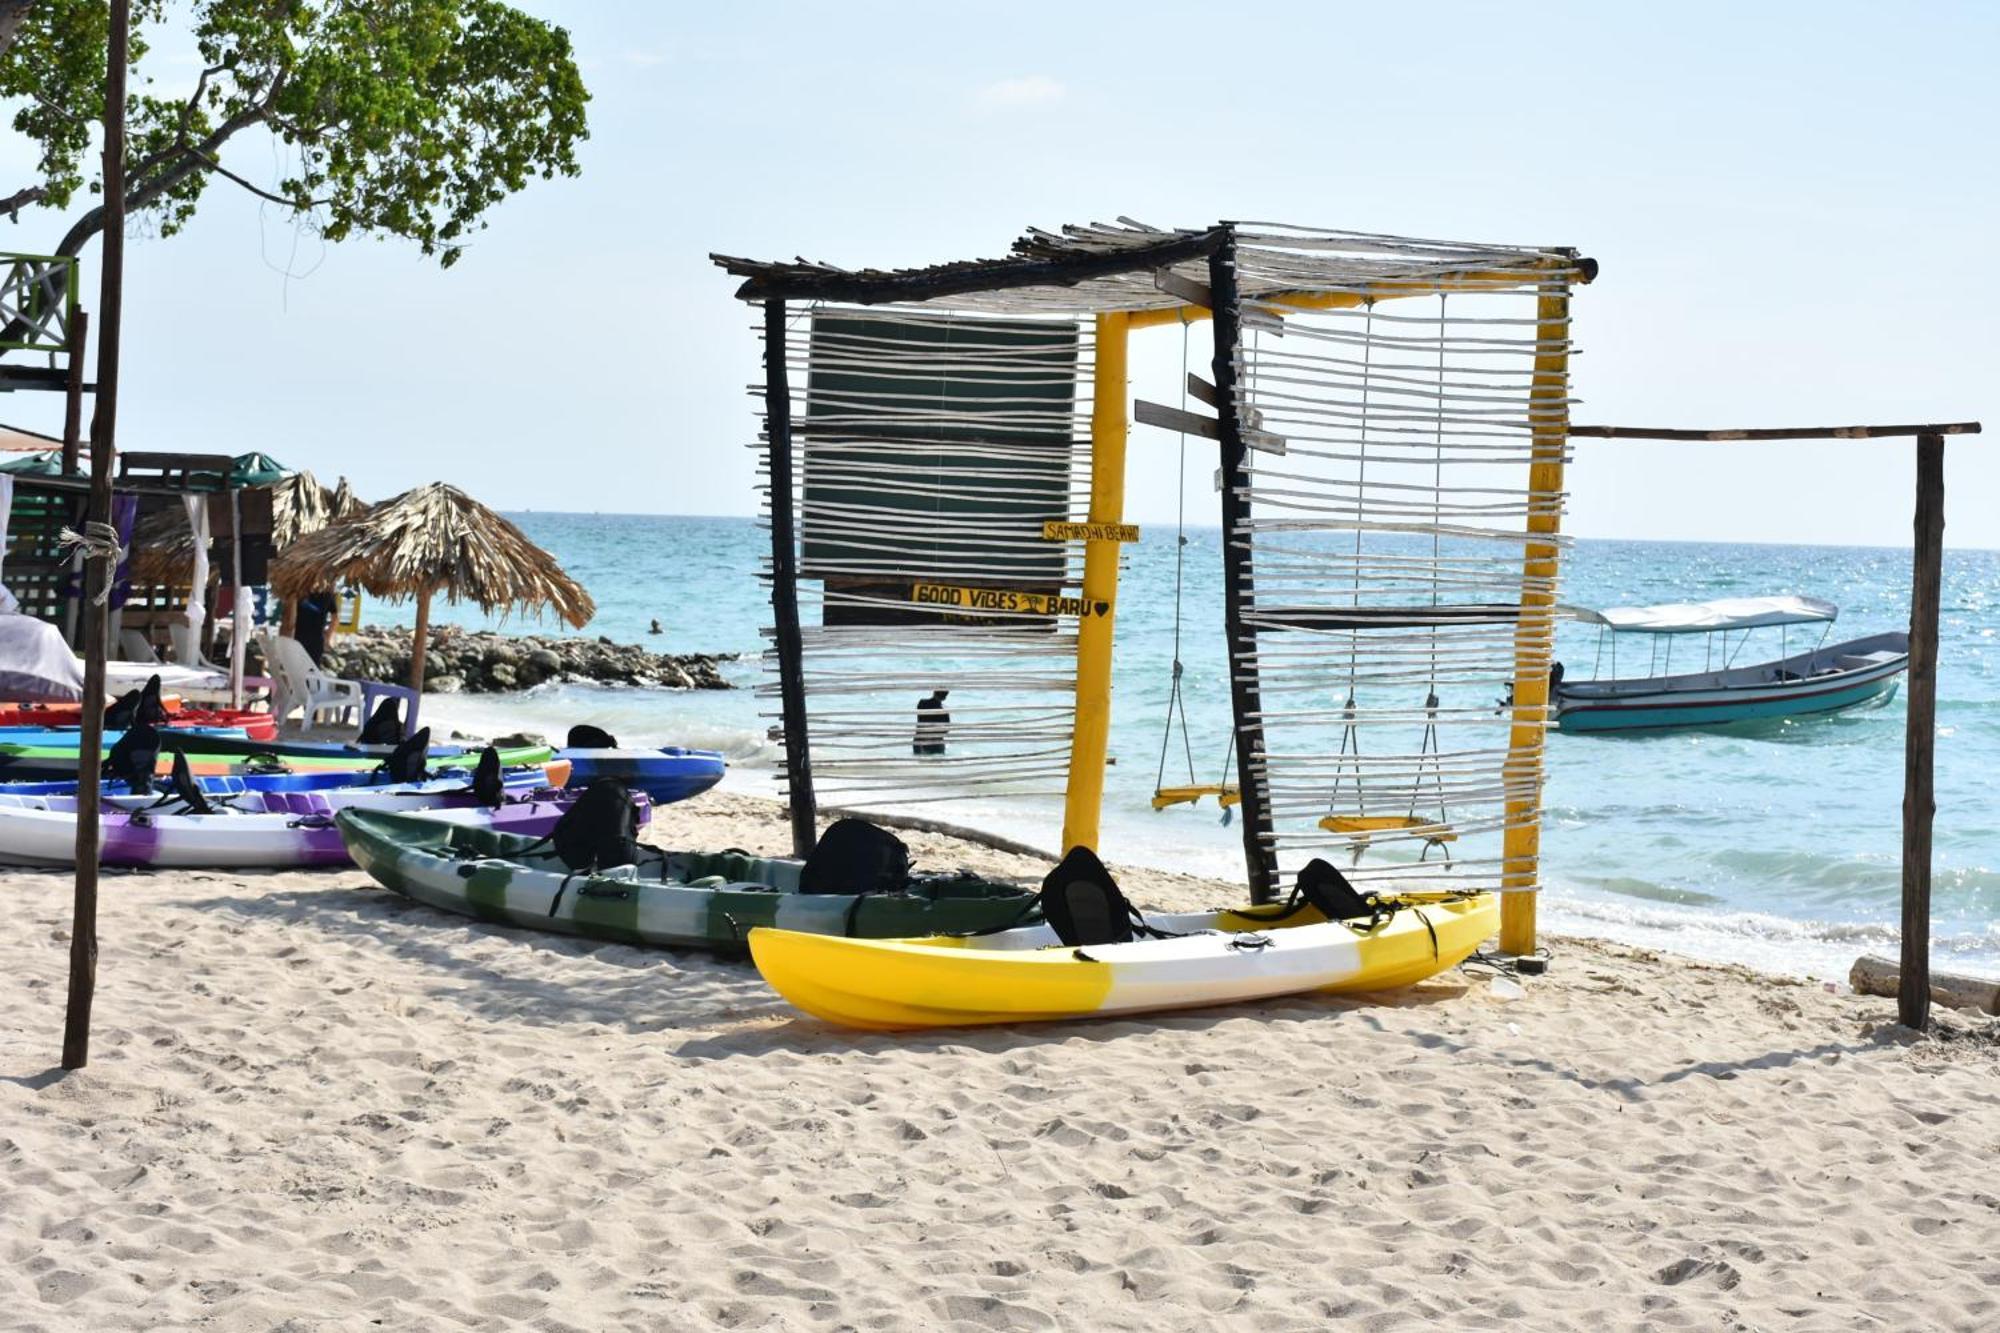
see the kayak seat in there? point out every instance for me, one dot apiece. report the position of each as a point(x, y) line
point(1083, 904)
point(854, 856)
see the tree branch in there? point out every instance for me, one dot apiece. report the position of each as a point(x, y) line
point(176, 166)
point(20, 199)
point(257, 190)
point(12, 12)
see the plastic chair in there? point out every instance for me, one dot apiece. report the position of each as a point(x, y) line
point(184, 651)
point(134, 646)
point(303, 686)
point(372, 690)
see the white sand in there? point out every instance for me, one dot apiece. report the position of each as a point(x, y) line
point(313, 1105)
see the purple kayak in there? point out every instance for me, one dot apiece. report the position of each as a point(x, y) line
point(269, 830)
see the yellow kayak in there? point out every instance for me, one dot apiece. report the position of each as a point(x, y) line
point(1026, 975)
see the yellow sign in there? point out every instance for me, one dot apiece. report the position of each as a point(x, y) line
point(1057, 531)
point(1005, 600)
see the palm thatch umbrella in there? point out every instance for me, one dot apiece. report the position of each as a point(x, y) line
point(434, 539)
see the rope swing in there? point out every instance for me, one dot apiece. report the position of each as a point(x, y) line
point(1359, 825)
point(1190, 792)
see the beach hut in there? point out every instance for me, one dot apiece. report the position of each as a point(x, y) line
point(433, 540)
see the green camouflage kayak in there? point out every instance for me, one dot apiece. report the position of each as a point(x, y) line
point(687, 899)
point(42, 763)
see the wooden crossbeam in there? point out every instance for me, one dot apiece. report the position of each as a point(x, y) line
point(1187, 289)
point(1776, 433)
point(1172, 418)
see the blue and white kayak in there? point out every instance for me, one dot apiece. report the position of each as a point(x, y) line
point(28, 735)
point(669, 773)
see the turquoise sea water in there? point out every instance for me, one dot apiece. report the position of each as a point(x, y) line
point(1777, 846)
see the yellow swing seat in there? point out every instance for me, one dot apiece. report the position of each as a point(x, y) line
point(1225, 794)
point(1360, 827)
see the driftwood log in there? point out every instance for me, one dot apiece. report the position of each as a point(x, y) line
point(1881, 976)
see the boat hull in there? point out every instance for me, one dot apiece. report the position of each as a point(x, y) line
point(484, 875)
point(40, 831)
point(904, 984)
point(1864, 672)
point(671, 773)
point(35, 763)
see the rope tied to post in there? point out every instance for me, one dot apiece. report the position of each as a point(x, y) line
point(97, 540)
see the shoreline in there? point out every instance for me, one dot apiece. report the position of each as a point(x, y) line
point(313, 1101)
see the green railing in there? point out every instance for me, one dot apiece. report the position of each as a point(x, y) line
point(37, 302)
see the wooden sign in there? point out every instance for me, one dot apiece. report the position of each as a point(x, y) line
point(1056, 531)
point(1015, 601)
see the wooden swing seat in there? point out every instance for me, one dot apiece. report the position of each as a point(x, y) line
point(1361, 826)
point(1224, 793)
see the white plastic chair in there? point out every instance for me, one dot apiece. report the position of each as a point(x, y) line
point(184, 651)
point(133, 646)
point(302, 686)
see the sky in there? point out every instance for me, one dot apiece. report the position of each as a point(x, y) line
point(1790, 203)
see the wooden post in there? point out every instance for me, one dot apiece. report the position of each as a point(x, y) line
point(419, 637)
point(1913, 1002)
point(785, 584)
point(79, 344)
point(1083, 801)
point(1245, 696)
point(1534, 634)
point(99, 569)
point(72, 446)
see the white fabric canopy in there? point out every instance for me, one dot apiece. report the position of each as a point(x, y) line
point(197, 512)
point(35, 664)
point(8, 604)
point(1709, 617)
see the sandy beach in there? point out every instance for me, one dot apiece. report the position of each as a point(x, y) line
point(313, 1105)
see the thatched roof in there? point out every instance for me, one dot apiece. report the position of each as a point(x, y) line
point(163, 543)
point(434, 539)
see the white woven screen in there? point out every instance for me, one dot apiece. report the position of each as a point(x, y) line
point(931, 446)
point(1387, 542)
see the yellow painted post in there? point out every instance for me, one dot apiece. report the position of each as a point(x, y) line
point(1092, 727)
point(1548, 400)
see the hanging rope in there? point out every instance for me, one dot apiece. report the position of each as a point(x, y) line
point(1222, 789)
point(1176, 705)
point(96, 541)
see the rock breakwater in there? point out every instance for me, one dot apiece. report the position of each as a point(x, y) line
point(481, 662)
